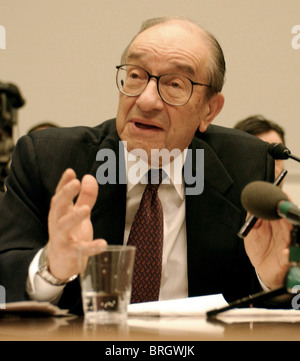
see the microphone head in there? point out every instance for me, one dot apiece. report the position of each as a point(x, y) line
point(261, 199)
point(278, 151)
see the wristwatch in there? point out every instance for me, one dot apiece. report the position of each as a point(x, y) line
point(43, 271)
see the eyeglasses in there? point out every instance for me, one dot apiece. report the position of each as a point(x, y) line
point(174, 89)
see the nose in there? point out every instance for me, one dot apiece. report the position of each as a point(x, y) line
point(150, 99)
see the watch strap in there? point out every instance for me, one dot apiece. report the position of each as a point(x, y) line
point(43, 271)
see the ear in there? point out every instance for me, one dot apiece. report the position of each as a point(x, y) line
point(214, 106)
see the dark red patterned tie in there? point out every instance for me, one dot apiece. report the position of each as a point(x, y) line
point(146, 235)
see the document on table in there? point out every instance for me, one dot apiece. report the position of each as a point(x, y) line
point(192, 306)
point(182, 315)
point(239, 315)
point(34, 308)
point(199, 306)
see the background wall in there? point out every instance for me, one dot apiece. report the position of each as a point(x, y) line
point(62, 54)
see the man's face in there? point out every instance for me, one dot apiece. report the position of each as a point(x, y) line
point(146, 121)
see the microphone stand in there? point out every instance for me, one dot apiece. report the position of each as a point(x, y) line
point(294, 157)
point(280, 296)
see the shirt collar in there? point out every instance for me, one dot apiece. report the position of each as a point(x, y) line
point(137, 168)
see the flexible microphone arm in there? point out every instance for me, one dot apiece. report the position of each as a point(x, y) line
point(282, 297)
point(294, 157)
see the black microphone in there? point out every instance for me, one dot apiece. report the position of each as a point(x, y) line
point(266, 201)
point(280, 151)
point(13, 93)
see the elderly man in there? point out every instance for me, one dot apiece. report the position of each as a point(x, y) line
point(170, 83)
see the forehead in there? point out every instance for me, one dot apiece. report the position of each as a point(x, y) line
point(175, 44)
point(270, 137)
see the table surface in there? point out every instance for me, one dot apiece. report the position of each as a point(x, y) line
point(13, 327)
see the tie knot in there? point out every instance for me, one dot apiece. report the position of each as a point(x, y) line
point(155, 176)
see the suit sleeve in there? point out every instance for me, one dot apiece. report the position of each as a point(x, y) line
point(246, 281)
point(23, 225)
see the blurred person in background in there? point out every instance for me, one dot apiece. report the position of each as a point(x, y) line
point(266, 130)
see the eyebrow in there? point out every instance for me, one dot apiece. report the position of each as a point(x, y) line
point(186, 68)
point(180, 66)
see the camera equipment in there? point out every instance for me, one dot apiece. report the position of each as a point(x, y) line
point(10, 100)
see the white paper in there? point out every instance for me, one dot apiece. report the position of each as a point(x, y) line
point(175, 325)
point(238, 315)
point(34, 307)
point(192, 306)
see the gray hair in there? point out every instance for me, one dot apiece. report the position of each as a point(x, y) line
point(216, 66)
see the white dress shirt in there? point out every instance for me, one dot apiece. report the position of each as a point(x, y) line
point(174, 283)
point(171, 193)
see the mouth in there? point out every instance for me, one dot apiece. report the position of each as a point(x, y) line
point(146, 126)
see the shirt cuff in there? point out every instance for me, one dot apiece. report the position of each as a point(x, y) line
point(37, 288)
point(262, 285)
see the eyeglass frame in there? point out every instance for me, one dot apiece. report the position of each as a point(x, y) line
point(118, 67)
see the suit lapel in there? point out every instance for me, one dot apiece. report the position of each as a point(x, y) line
point(108, 215)
point(208, 215)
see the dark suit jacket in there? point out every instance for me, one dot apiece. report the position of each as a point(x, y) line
point(217, 261)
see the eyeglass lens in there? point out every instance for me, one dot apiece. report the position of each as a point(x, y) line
point(174, 89)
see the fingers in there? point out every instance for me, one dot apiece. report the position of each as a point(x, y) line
point(66, 177)
point(64, 215)
point(285, 259)
point(86, 250)
point(282, 231)
point(92, 248)
point(72, 218)
point(88, 192)
point(69, 223)
point(69, 187)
